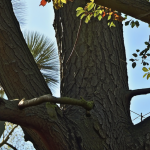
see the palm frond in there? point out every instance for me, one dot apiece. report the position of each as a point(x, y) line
point(45, 56)
point(19, 8)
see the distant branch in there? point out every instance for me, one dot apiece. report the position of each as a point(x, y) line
point(132, 93)
point(7, 138)
point(88, 105)
point(11, 146)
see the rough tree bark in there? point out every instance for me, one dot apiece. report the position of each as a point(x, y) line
point(97, 72)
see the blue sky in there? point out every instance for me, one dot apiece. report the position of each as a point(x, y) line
point(41, 18)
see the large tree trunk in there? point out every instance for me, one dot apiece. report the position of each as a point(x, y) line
point(97, 73)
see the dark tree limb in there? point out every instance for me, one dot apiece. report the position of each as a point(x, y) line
point(88, 105)
point(139, 9)
point(136, 92)
point(140, 132)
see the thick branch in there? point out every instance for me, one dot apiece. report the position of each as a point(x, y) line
point(140, 135)
point(88, 105)
point(132, 93)
point(139, 9)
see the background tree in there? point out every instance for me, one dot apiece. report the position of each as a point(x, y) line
point(97, 74)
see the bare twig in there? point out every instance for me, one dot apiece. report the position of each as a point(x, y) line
point(88, 105)
point(75, 41)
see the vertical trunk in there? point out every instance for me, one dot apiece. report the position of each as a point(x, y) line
point(97, 72)
point(19, 74)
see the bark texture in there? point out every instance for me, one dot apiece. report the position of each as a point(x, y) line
point(138, 9)
point(19, 74)
point(97, 72)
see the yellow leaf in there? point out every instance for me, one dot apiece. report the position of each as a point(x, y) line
point(92, 1)
point(144, 69)
point(144, 75)
point(64, 1)
point(148, 76)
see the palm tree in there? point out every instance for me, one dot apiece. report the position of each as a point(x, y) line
point(45, 56)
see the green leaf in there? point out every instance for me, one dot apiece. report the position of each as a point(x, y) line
point(148, 76)
point(79, 8)
point(82, 16)
point(137, 50)
point(132, 60)
point(134, 54)
point(95, 14)
point(99, 7)
point(132, 24)
point(137, 24)
point(146, 43)
point(144, 69)
point(90, 6)
point(109, 17)
point(144, 63)
point(100, 11)
point(87, 19)
point(127, 22)
point(99, 17)
point(79, 12)
point(112, 24)
point(133, 64)
point(144, 75)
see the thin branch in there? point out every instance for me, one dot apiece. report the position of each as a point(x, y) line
point(11, 146)
point(75, 41)
point(7, 138)
point(88, 105)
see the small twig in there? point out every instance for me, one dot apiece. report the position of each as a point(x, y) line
point(7, 138)
point(75, 41)
point(10, 145)
point(88, 105)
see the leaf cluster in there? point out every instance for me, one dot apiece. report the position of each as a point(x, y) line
point(143, 54)
point(91, 9)
point(132, 23)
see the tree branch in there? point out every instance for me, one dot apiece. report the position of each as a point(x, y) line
point(139, 133)
point(88, 105)
point(7, 138)
point(136, 92)
point(11, 146)
point(139, 9)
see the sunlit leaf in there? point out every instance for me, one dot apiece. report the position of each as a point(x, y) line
point(79, 8)
point(90, 6)
point(144, 69)
point(148, 76)
point(144, 75)
point(99, 17)
point(109, 17)
point(80, 12)
point(83, 15)
point(87, 19)
point(64, 1)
